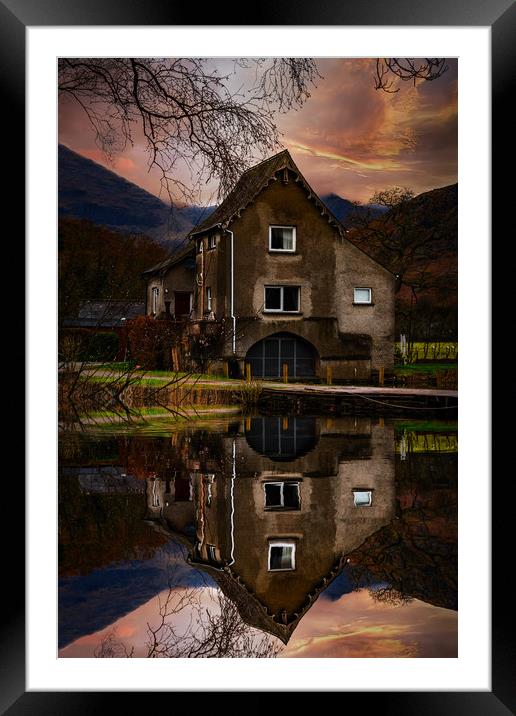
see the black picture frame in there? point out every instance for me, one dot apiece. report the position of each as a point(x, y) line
point(500, 15)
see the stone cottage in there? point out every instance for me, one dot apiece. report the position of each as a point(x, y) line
point(274, 266)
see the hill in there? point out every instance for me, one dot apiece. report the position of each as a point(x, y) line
point(89, 191)
point(417, 240)
point(349, 213)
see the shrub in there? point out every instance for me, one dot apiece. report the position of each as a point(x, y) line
point(250, 394)
point(80, 344)
point(150, 342)
point(102, 346)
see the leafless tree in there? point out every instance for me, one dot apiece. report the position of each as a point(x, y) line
point(210, 632)
point(189, 113)
point(389, 70)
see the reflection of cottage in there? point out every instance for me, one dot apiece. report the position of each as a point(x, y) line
point(273, 532)
point(275, 264)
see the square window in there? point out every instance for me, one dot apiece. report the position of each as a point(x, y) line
point(284, 299)
point(282, 556)
point(362, 295)
point(282, 238)
point(282, 495)
point(362, 498)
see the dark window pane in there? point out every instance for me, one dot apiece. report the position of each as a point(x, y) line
point(272, 495)
point(272, 348)
point(282, 239)
point(287, 348)
point(291, 495)
point(281, 557)
point(290, 298)
point(273, 298)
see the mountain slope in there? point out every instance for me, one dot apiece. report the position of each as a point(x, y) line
point(88, 190)
point(347, 212)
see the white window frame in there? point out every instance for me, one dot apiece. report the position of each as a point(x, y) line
point(200, 246)
point(212, 241)
point(209, 299)
point(211, 552)
point(155, 298)
point(280, 310)
point(282, 543)
point(369, 492)
point(282, 251)
point(281, 484)
point(363, 288)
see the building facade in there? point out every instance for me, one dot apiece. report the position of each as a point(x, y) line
point(274, 266)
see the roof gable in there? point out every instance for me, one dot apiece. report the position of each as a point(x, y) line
point(251, 183)
point(178, 257)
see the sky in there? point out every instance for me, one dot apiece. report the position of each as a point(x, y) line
point(348, 138)
point(352, 626)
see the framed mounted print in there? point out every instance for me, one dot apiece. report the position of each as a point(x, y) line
point(251, 260)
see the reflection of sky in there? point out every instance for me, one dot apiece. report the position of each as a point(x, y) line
point(351, 625)
point(356, 626)
point(91, 602)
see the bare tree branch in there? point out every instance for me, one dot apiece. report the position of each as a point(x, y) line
point(389, 70)
point(190, 115)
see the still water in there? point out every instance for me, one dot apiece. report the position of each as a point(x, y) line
point(259, 537)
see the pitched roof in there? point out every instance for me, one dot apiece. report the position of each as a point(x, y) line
point(180, 255)
point(106, 314)
point(248, 187)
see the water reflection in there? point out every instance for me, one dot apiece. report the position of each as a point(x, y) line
point(272, 511)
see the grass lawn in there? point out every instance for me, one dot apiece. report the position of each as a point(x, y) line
point(426, 426)
point(123, 367)
point(424, 368)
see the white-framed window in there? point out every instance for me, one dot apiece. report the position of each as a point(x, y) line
point(208, 298)
point(284, 299)
point(155, 297)
point(200, 246)
point(282, 238)
point(362, 295)
point(282, 556)
point(156, 501)
point(281, 495)
point(212, 554)
point(362, 498)
point(212, 241)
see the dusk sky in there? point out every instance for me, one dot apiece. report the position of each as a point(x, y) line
point(348, 138)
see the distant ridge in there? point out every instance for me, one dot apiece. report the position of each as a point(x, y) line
point(88, 190)
point(347, 212)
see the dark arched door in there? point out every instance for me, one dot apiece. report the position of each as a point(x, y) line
point(268, 356)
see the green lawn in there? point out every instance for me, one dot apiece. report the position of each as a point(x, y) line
point(424, 368)
point(426, 426)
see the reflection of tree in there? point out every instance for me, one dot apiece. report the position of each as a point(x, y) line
point(216, 631)
point(389, 595)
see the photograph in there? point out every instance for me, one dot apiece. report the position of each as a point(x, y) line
point(257, 357)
